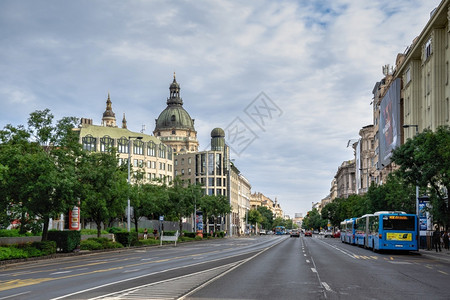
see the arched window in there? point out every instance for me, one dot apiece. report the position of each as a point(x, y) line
point(89, 142)
point(122, 145)
point(106, 143)
point(151, 149)
point(162, 151)
point(173, 118)
point(138, 147)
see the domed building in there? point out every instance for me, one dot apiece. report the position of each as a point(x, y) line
point(174, 126)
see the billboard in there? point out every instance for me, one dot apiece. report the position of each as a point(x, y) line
point(389, 130)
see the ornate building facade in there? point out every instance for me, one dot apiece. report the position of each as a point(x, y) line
point(174, 126)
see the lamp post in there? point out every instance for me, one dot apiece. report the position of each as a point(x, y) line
point(129, 180)
point(417, 187)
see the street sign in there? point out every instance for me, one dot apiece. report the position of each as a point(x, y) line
point(161, 218)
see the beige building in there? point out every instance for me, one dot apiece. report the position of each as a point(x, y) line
point(345, 179)
point(147, 152)
point(424, 70)
point(259, 199)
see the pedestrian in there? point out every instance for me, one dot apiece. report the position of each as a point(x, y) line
point(145, 233)
point(445, 239)
point(155, 233)
point(437, 240)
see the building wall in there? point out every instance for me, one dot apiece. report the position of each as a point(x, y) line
point(149, 155)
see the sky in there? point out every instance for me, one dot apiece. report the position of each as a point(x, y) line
point(290, 82)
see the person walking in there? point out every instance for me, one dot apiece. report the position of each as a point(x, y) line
point(155, 233)
point(436, 240)
point(445, 239)
point(145, 233)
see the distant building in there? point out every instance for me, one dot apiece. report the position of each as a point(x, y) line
point(148, 153)
point(345, 179)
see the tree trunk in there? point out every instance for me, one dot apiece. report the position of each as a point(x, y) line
point(99, 228)
point(45, 229)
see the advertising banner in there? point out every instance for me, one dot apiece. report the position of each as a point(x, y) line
point(74, 218)
point(389, 132)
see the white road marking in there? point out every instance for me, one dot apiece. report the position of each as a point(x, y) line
point(326, 286)
point(307, 261)
point(314, 270)
point(62, 272)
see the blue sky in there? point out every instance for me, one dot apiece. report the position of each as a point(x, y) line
point(297, 75)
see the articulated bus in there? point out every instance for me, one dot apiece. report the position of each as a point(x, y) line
point(393, 231)
point(384, 230)
point(362, 230)
point(348, 231)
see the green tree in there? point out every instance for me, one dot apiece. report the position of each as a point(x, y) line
point(267, 215)
point(40, 182)
point(104, 187)
point(254, 217)
point(425, 161)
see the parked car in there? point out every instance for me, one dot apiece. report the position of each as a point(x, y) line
point(328, 233)
point(308, 233)
point(262, 232)
point(295, 233)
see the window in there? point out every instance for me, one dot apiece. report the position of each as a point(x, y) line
point(408, 75)
point(189, 160)
point(428, 49)
point(135, 162)
point(189, 171)
point(162, 151)
point(106, 143)
point(210, 163)
point(211, 181)
point(218, 164)
point(151, 149)
point(182, 171)
point(173, 132)
point(169, 153)
point(218, 181)
point(138, 147)
point(182, 161)
point(89, 143)
point(122, 145)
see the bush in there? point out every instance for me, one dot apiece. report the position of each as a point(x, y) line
point(189, 234)
point(46, 247)
point(12, 253)
point(91, 231)
point(115, 230)
point(127, 238)
point(13, 233)
point(90, 245)
point(66, 241)
point(198, 238)
point(150, 241)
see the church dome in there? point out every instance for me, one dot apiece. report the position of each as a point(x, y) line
point(174, 116)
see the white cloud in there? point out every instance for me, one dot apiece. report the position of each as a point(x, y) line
point(318, 61)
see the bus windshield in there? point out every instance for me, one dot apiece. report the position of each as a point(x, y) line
point(406, 223)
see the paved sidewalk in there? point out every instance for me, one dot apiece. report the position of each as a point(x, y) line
point(443, 255)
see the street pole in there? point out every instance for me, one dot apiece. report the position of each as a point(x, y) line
point(129, 181)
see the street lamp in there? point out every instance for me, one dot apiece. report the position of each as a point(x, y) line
point(417, 187)
point(129, 182)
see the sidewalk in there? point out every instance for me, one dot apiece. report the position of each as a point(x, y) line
point(443, 255)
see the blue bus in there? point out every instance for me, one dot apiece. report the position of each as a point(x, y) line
point(280, 230)
point(361, 230)
point(392, 231)
point(348, 231)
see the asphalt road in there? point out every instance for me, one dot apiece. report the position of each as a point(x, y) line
point(268, 267)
